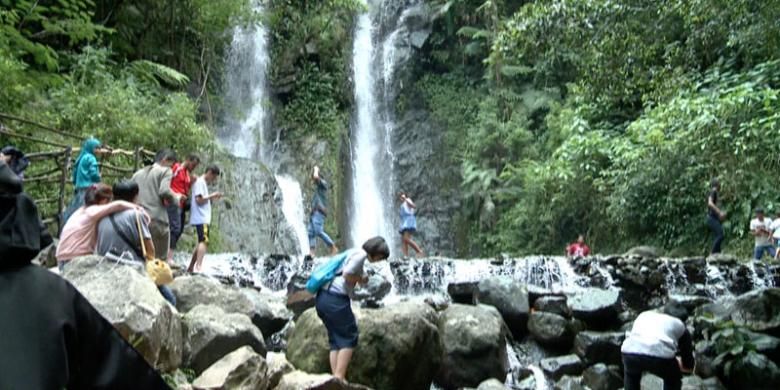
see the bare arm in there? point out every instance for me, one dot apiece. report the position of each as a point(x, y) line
point(99, 211)
point(316, 174)
point(164, 191)
point(410, 203)
point(149, 245)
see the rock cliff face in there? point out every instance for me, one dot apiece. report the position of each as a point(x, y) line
point(250, 219)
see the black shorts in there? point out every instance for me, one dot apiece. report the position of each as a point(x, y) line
point(203, 233)
point(404, 230)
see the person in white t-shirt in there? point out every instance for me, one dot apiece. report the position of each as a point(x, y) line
point(760, 228)
point(200, 214)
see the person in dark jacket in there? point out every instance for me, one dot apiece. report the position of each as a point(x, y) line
point(15, 159)
point(653, 345)
point(52, 337)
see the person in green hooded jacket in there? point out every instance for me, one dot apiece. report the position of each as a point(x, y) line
point(85, 173)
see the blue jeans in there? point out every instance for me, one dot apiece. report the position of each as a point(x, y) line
point(758, 252)
point(316, 224)
point(167, 294)
point(717, 233)
point(176, 223)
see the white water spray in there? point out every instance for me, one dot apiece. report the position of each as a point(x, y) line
point(371, 165)
point(292, 206)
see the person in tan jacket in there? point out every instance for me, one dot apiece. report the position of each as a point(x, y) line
point(154, 185)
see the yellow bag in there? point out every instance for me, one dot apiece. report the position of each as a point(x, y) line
point(159, 271)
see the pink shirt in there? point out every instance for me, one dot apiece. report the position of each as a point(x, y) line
point(79, 236)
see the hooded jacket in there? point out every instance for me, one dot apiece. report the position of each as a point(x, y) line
point(85, 169)
point(52, 337)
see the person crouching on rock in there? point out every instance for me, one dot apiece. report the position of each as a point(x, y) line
point(52, 337)
point(653, 344)
point(334, 306)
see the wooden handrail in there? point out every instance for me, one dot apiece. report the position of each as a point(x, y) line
point(29, 122)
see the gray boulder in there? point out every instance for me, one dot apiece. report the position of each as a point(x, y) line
point(278, 366)
point(549, 329)
point(557, 367)
point(267, 312)
point(602, 377)
point(242, 369)
point(598, 308)
point(47, 256)
point(509, 297)
point(553, 304)
point(753, 371)
point(474, 342)
point(693, 382)
point(759, 311)
point(128, 299)
point(402, 339)
point(299, 301)
point(644, 251)
point(211, 333)
point(462, 292)
point(299, 380)
point(569, 382)
point(377, 288)
point(599, 347)
point(491, 384)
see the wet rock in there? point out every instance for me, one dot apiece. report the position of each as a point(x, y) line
point(462, 292)
point(474, 342)
point(759, 311)
point(129, 300)
point(438, 303)
point(46, 257)
point(693, 382)
point(278, 366)
point(377, 288)
point(644, 251)
point(651, 382)
point(509, 297)
point(266, 311)
point(599, 347)
point(704, 354)
point(211, 333)
point(598, 308)
point(300, 301)
point(601, 377)
point(722, 259)
point(556, 367)
point(753, 371)
point(403, 339)
point(242, 369)
point(299, 380)
point(550, 329)
point(491, 384)
point(690, 302)
point(569, 382)
point(695, 269)
point(554, 305)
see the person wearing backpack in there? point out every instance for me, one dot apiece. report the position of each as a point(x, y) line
point(334, 306)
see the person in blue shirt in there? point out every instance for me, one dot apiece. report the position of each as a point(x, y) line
point(319, 211)
point(86, 172)
point(408, 225)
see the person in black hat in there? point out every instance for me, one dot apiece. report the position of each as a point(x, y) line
point(52, 337)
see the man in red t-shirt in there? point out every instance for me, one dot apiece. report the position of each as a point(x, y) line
point(578, 248)
point(180, 184)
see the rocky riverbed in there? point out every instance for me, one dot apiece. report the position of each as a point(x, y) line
point(528, 323)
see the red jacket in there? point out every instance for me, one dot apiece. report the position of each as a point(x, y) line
point(577, 249)
point(181, 181)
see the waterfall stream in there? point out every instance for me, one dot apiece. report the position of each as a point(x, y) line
point(246, 122)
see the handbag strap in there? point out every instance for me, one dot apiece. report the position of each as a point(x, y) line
point(140, 234)
point(124, 238)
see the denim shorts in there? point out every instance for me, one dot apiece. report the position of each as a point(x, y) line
point(335, 311)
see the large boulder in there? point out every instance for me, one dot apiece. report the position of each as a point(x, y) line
point(693, 382)
point(599, 347)
point(550, 329)
point(398, 348)
point(299, 380)
point(759, 311)
point(242, 369)
point(753, 371)
point(377, 288)
point(300, 301)
point(557, 367)
point(599, 308)
point(462, 292)
point(569, 382)
point(474, 341)
point(602, 377)
point(553, 304)
point(509, 297)
point(127, 298)
point(278, 366)
point(211, 333)
point(266, 311)
point(491, 384)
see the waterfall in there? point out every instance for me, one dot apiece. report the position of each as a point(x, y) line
point(372, 158)
point(247, 118)
point(292, 207)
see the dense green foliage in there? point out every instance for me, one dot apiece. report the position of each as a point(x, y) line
point(607, 118)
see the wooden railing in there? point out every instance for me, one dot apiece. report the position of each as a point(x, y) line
point(48, 176)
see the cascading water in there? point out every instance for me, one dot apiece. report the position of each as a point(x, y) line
point(375, 60)
point(245, 124)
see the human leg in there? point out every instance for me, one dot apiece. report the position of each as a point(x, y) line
point(318, 228)
point(174, 217)
point(758, 252)
point(161, 237)
point(343, 358)
point(717, 233)
point(196, 261)
point(166, 292)
point(413, 244)
point(632, 372)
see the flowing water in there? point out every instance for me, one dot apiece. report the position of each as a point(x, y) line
point(245, 123)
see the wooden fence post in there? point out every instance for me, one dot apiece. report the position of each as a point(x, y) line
point(63, 179)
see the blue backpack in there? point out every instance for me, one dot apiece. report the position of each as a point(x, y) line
point(325, 273)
